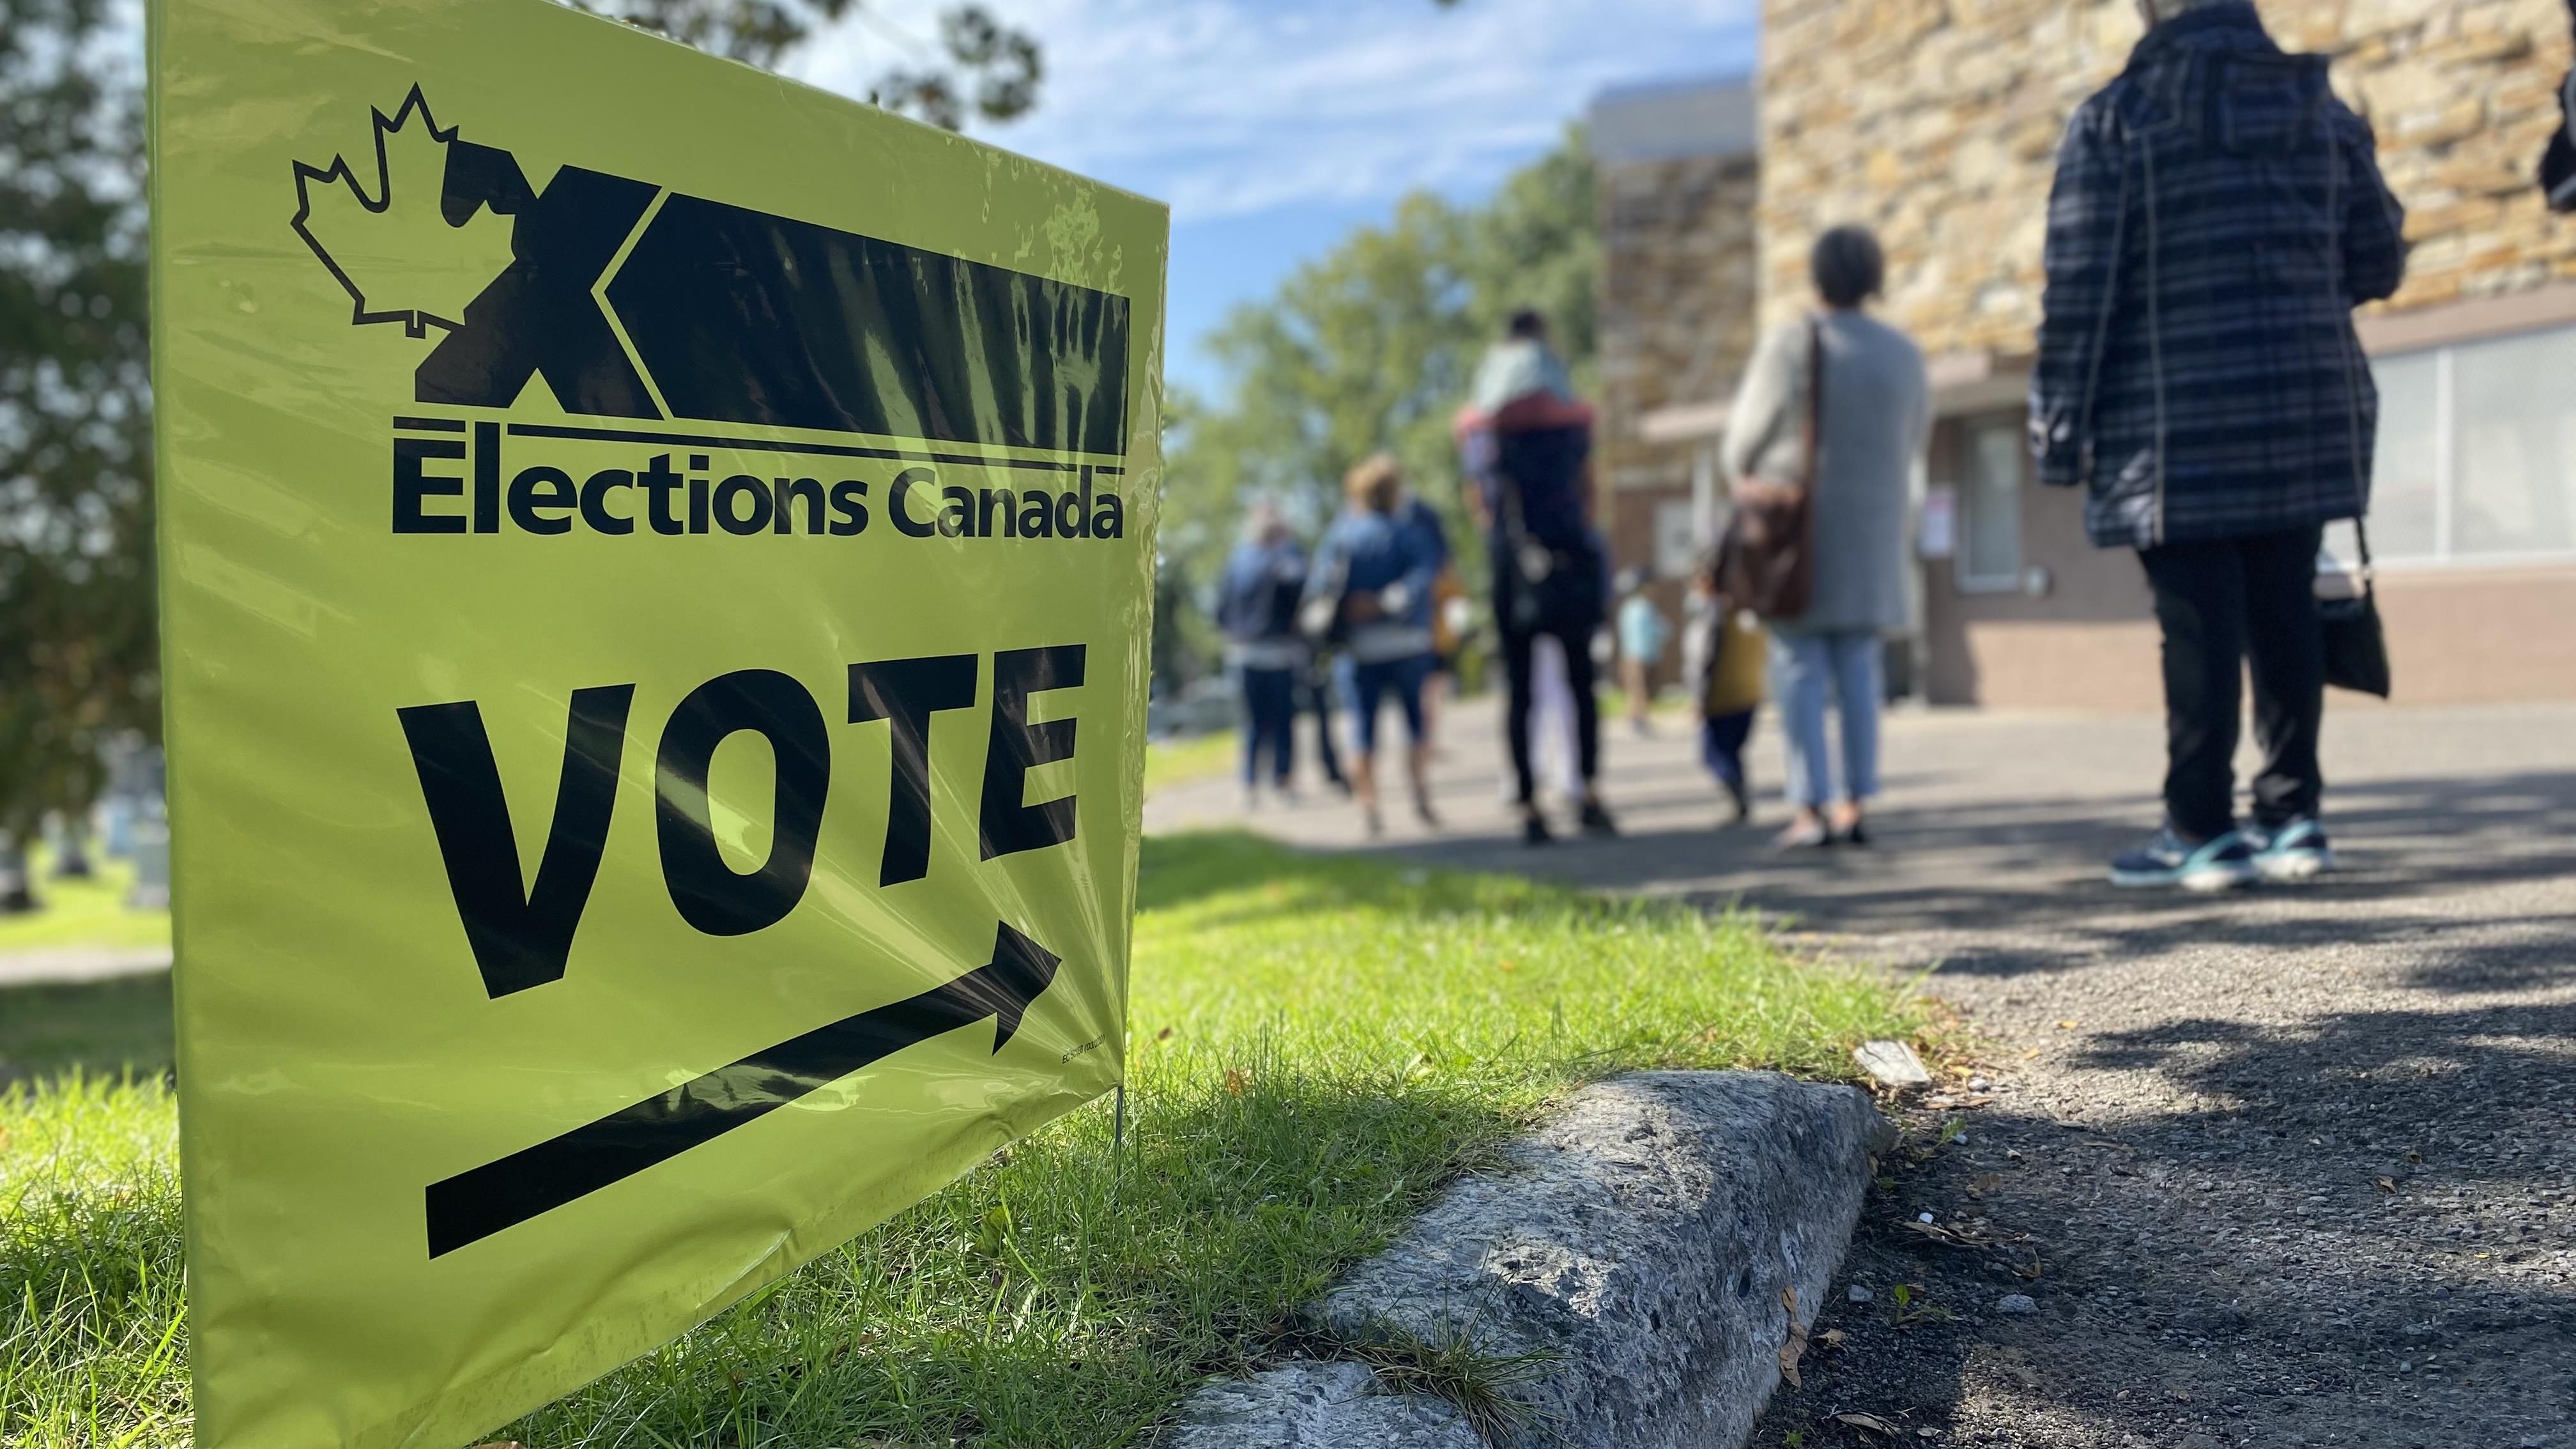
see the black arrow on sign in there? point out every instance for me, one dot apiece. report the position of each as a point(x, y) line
point(478, 1203)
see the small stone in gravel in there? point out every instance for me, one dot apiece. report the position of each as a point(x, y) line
point(1892, 1063)
point(2017, 1304)
point(1858, 1294)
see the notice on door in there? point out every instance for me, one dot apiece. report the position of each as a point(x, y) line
point(656, 574)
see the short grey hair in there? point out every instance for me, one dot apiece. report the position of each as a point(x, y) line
point(1847, 266)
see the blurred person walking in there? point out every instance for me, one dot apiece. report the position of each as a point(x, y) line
point(1723, 656)
point(2217, 215)
point(1373, 573)
point(1424, 519)
point(1257, 599)
point(1315, 697)
point(1556, 753)
point(1525, 442)
point(1857, 387)
point(1643, 629)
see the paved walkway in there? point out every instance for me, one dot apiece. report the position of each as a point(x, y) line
point(2294, 1166)
point(63, 965)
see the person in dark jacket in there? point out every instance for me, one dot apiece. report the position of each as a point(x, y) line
point(2558, 163)
point(1257, 608)
point(1525, 446)
point(2217, 215)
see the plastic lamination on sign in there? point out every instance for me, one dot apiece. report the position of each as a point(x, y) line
point(656, 572)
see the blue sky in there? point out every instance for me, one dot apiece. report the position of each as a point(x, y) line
point(1275, 126)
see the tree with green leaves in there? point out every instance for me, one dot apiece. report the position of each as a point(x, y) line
point(77, 655)
point(1371, 346)
point(982, 67)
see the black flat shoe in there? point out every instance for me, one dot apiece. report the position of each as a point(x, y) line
point(1597, 821)
point(1857, 833)
point(1534, 830)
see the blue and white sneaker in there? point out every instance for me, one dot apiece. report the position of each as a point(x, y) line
point(2221, 863)
point(2294, 851)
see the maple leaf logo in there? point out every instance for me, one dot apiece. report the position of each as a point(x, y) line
point(381, 229)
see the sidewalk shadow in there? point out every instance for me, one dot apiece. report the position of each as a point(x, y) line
point(2035, 866)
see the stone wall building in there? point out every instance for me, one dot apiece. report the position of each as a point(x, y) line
point(1936, 122)
point(1938, 125)
point(1676, 186)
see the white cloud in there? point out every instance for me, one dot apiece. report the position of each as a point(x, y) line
point(1231, 107)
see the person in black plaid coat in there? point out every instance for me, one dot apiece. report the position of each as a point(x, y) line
point(2558, 163)
point(2217, 215)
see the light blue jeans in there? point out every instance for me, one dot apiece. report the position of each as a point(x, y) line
point(1804, 669)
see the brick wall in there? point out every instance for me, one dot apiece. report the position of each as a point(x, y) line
point(1936, 122)
point(1678, 285)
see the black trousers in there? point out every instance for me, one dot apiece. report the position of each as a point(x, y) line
point(1518, 645)
point(1315, 694)
point(2225, 603)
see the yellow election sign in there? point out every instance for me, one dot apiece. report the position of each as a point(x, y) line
point(656, 566)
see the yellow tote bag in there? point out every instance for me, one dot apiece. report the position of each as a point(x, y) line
point(1736, 681)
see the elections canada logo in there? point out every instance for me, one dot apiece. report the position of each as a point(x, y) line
point(629, 301)
point(874, 373)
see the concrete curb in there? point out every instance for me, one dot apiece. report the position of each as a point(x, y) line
point(1645, 1245)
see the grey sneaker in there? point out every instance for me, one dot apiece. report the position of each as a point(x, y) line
point(2296, 850)
point(2220, 863)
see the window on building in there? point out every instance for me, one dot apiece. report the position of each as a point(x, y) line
point(2477, 452)
point(1677, 545)
point(1991, 454)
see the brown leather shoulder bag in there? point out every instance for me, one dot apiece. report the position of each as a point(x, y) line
point(1767, 560)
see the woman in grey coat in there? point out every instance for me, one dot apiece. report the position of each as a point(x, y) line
point(1871, 431)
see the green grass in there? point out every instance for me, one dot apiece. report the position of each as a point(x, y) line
point(92, 1330)
point(1194, 757)
point(84, 912)
point(103, 1028)
point(1319, 1044)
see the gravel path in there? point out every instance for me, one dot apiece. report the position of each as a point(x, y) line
point(2293, 1166)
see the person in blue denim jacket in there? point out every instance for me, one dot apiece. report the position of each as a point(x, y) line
point(1374, 569)
point(2217, 215)
point(1257, 598)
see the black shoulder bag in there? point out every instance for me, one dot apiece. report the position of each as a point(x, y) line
point(2356, 651)
point(1767, 558)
